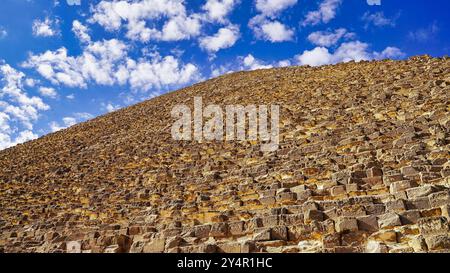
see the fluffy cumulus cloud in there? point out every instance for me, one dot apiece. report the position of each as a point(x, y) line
point(218, 10)
point(160, 72)
point(45, 28)
point(273, 7)
point(178, 25)
point(224, 38)
point(107, 63)
point(18, 110)
point(324, 14)
point(49, 92)
point(251, 63)
point(272, 31)
point(81, 31)
point(266, 27)
point(329, 38)
point(350, 51)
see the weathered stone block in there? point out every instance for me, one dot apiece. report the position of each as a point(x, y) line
point(338, 190)
point(409, 171)
point(374, 171)
point(267, 201)
point(438, 242)
point(368, 223)
point(421, 191)
point(399, 186)
point(375, 247)
point(270, 221)
point(438, 199)
point(389, 220)
point(346, 224)
point(279, 233)
point(236, 228)
point(385, 236)
point(313, 215)
point(231, 247)
point(395, 206)
point(409, 217)
point(292, 219)
point(351, 187)
point(433, 225)
point(418, 203)
point(331, 240)
point(219, 230)
point(202, 231)
point(263, 234)
point(155, 246)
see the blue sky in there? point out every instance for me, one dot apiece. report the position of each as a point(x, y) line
point(63, 62)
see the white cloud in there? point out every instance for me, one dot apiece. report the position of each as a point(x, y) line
point(325, 13)
point(178, 25)
point(161, 72)
point(264, 25)
point(276, 32)
point(6, 141)
point(107, 63)
point(81, 31)
point(109, 107)
point(316, 57)
point(48, 92)
point(374, 2)
point(226, 37)
point(251, 63)
point(351, 51)
point(327, 38)
point(272, 7)
point(99, 63)
point(45, 28)
point(218, 10)
point(389, 53)
point(378, 19)
point(268, 30)
point(69, 121)
point(18, 110)
point(3, 32)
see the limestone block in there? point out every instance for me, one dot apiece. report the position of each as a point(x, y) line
point(389, 220)
point(346, 224)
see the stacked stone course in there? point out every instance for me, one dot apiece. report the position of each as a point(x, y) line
point(363, 166)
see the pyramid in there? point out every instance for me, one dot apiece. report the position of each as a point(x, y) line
point(362, 166)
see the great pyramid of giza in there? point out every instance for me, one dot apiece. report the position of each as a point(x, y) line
point(362, 166)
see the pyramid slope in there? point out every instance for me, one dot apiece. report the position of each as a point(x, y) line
point(363, 165)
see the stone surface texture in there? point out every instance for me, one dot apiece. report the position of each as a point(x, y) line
point(363, 166)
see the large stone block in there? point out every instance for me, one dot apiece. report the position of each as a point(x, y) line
point(279, 233)
point(399, 186)
point(202, 231)
point(219, 230)
point(438, 242)
point(368, 223)
point(155, 246)
point(313, 215)
point(421, 191)
point(389, 220)
point(346, 224)
point(433, 225)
